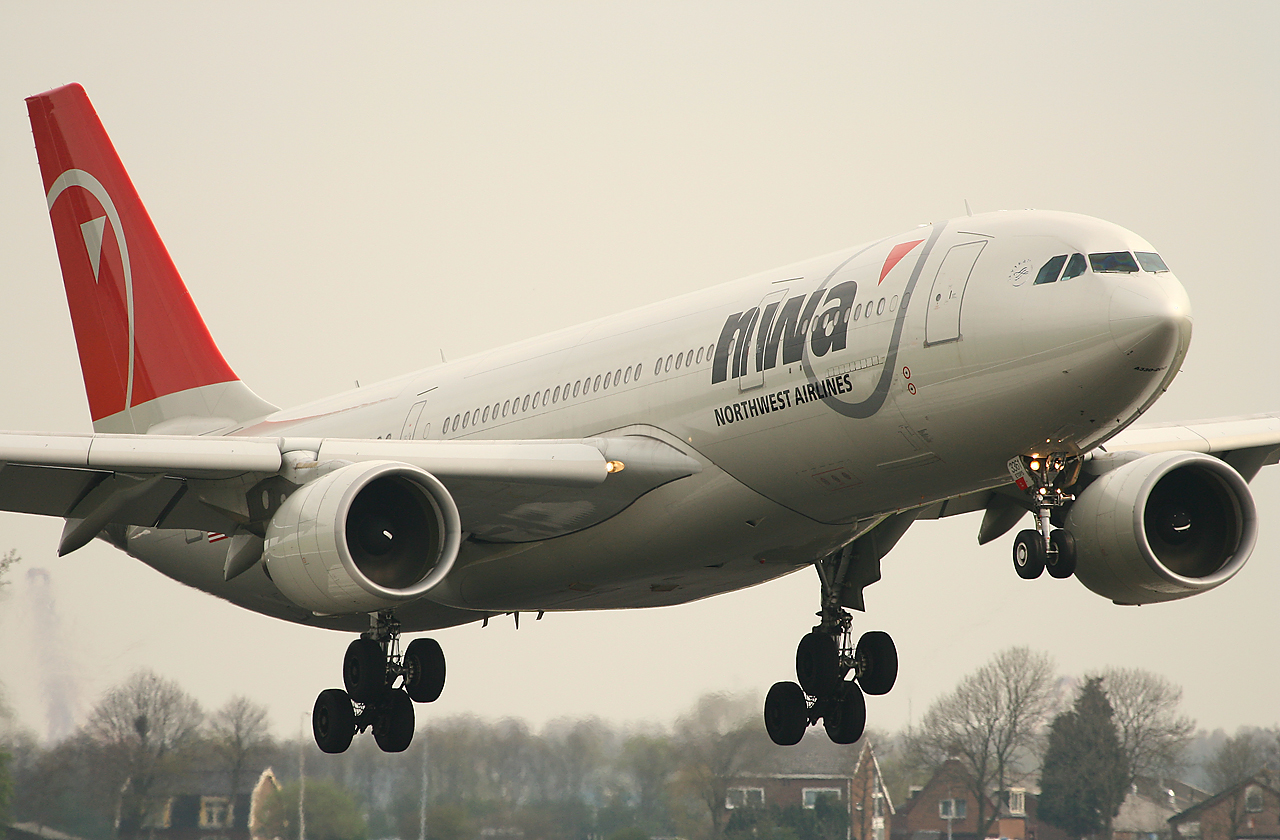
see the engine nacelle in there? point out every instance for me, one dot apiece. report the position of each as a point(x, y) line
point(363, 538)
point(1163, 527)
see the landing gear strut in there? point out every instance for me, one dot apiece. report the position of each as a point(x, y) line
point(1046, 479)
point(371, 698)
point(825, 659)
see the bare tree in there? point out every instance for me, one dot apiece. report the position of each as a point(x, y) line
point(1243, 755)
point(240, 736)
point(144, 727)
point(716, 740)
point(572, 752)
point(8, 559)
point(991, 722)
point(649, 761)
point(1153, 735)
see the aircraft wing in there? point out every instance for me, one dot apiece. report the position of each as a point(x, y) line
point(1246, 443)
point(507, 491)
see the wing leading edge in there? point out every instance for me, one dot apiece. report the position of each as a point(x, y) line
point(508, 491)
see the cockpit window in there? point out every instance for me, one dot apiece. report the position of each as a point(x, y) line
point(1075, 267)
point(1050, 270)
point(1150, 261)
point(1113, 262)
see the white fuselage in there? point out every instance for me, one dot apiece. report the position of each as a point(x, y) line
point(819, 398)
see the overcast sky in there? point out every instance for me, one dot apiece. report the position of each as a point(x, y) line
point(350, 194)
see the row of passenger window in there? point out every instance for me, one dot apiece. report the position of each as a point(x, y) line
point(539, 399)
point(687, 360)
point(571, 390)
point(1111, 262)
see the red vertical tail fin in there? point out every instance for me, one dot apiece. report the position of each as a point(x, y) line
point(147, 358)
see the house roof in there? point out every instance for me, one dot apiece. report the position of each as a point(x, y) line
point(813, 757)
point(1263, 779)
point(1157, 790)
point(206, 783)
point(30, 829)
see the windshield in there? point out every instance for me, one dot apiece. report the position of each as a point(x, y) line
point(1150, 261)
point(1113, 262)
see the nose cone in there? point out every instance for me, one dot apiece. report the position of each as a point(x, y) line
point(1151, 320)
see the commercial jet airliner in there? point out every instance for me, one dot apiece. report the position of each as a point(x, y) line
point(805, 416)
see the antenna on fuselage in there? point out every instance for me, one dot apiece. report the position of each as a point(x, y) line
point(967, 211)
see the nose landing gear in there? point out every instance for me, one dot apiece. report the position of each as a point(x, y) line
point(825, 659)
point(1046, 479)
point(371, 698)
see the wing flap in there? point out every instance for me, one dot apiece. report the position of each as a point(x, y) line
point(44, 490)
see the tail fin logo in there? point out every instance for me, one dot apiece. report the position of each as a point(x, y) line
point(92, 231)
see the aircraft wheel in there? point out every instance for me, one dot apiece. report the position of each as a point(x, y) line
point(818, 664)
point(846, 716)
point(1028, 554)
point(877, 659)
point(364, 671)
point(424, 675)
point(1061, 565)
point(786, 715)
point(333, 722)
point(394, 724)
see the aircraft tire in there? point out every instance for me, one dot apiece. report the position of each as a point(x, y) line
point(846, 716)
point(877, 659)
point(818, 664)
point(786, 715)
point(394, 724)
point(333, 722)
point(424, 677)
point(1061, 564)
point(1028, 554)
point(364, 671)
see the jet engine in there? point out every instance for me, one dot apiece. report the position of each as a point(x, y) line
point(363, 538)
point(1162, 527)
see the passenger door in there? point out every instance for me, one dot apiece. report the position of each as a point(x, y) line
point(942, 317)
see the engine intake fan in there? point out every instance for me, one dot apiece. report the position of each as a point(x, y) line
point(363, 538)
point(1163, 527)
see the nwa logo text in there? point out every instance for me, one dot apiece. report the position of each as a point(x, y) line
point(785, 327)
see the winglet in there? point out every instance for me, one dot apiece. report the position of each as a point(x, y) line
point(146, 355)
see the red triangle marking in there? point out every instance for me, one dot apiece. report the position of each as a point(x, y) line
point(895, 256)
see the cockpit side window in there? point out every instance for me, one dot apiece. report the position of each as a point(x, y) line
point(1150, 261)
point(1050, 270)
point(1113, 262)
point(1075, 267)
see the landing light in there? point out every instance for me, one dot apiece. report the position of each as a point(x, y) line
point(614, 467)
point(1035, 465)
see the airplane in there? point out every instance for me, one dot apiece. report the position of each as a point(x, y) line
point(802, 417)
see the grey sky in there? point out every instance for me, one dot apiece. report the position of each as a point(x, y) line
point(348, 194)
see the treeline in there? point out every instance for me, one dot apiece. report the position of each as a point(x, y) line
point(590, 778)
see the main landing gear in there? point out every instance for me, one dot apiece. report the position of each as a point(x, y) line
point(825, 659)
point(1046, 479)
point(371, 698)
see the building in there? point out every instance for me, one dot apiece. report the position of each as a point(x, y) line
point(947, 807)
point(200, 805)
point(802, 775)
point(1150, 803)
point(1249, 809)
